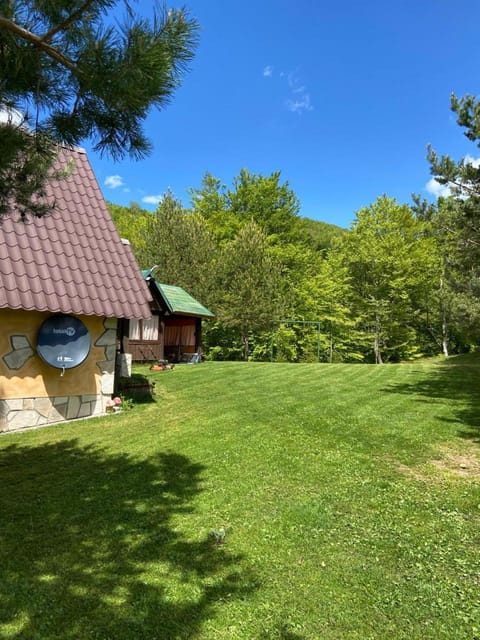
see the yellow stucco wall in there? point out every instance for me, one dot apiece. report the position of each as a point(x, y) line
point(36, 379)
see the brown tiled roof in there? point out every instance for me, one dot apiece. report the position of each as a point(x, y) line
point(71, 260)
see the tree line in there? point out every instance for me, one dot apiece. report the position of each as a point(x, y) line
point(401, 283)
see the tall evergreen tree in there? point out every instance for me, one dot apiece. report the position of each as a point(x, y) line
point(453, 317)
point(459, 216)
point(463, 179)
point(182, 248)
point(251, 285)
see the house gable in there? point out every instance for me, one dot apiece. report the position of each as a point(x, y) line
point(73, 259)
point(71, 262)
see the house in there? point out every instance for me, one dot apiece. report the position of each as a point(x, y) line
point(60, 302)
point(174, 330)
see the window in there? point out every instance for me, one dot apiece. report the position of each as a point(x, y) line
point(150, 328)
point(134, 330)
point(144, 329)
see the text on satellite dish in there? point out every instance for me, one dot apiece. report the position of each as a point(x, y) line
point(69, 331)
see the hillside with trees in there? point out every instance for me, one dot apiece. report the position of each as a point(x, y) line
point(403, 282)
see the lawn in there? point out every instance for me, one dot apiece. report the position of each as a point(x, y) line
point(349, 495)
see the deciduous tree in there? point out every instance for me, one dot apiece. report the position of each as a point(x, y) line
point(272, 205)
point(132, 224)
point(388, 259)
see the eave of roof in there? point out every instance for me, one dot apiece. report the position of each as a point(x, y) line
point(71, 260)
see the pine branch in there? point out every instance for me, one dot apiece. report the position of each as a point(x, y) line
point(76, 15)
point(38, 42)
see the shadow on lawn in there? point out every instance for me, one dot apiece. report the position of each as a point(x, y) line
point(282, 633)
point(79, 532)
point(450, 382)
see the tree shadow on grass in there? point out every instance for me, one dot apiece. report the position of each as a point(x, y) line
point(281, 632)
point(458, 383)
point(90, 547)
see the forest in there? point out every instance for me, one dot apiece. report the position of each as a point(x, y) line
point(401, 283)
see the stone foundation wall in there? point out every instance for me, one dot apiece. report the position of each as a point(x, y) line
point(21, 413)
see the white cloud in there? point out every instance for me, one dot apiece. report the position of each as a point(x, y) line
point(114, 181)
point(152, 199)
point(475, 162)
point(436, 189)
point(300, 103)
point(292, 80)
point(299, 89)
point(299, 100)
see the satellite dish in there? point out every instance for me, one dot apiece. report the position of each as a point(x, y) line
point(63, 342)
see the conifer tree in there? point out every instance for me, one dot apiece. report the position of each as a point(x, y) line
point(251, 284)
point(183, 249)
point(463, 179)
point(458, 217)
point(68, 73)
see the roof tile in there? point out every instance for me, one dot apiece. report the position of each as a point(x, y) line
point(72, 260)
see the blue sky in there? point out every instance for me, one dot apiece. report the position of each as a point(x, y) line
point(341, 97)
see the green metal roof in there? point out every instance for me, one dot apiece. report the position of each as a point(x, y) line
point(178, 300)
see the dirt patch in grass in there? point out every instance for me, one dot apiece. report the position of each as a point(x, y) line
point(463, 463)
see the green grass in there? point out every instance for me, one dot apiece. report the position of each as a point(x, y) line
point(350, 495)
